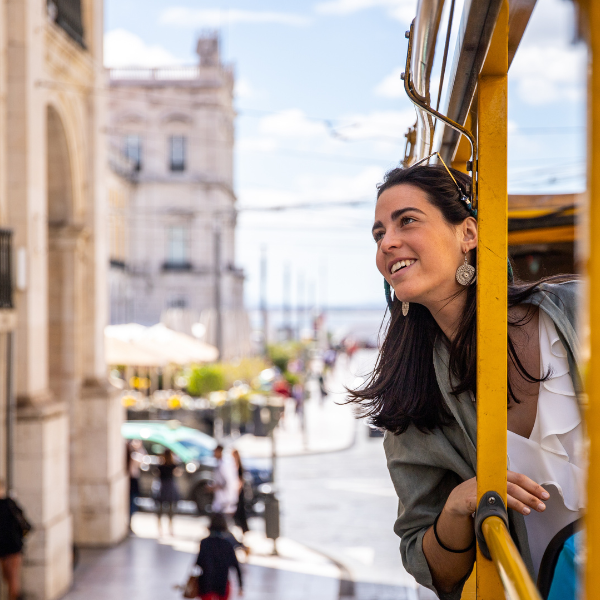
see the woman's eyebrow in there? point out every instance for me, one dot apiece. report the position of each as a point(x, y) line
point(398, 213)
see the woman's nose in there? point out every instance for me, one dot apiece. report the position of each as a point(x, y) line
point(389, 242)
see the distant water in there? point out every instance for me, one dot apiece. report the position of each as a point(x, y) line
point(361, 324)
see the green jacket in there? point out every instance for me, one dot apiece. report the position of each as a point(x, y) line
point(426, 467)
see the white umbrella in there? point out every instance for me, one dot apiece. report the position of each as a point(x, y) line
point(182, 344)
point(129, 354)
point(159, 341)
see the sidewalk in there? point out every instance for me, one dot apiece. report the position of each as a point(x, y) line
point(146, 567)
point(330, 426)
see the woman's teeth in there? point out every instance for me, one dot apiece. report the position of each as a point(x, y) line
point(401, 264)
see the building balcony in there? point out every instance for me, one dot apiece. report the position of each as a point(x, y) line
point(67, 15)
point(117, 263)
point(177, 266)
point(6, 286)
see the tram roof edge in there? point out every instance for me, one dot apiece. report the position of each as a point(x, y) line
point(475, 33)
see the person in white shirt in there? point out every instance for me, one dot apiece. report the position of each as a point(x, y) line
point(225, 487)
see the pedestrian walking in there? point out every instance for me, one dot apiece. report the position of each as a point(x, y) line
point(239, 517)
point(13, 529)
point(216, 557)
point(225, 486)
point(135, 458)
point(167, 493)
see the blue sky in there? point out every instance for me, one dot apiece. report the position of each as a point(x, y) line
point(322, 116)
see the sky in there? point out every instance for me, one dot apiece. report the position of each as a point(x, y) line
point(322, 116)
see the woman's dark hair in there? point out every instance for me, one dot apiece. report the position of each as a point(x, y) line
point(168, 457)
point(403, 389)
point(218, 523)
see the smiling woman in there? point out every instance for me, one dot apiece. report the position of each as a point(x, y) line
point(423, 388)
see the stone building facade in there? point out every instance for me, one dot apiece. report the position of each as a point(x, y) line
point(175, 126)
point(65, 460)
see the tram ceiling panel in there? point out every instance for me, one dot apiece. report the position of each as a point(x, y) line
point(475, 32)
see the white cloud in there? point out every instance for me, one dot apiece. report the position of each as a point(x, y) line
point(259, 144)
point(548, 67)
point(125, 49)
point(315, 188)
point(402, 10)
point(245, 91)
point(391, 86)
point(383, 124)
point(546, 74)
point(214, 17)
point(296, 129)
point(291, 123)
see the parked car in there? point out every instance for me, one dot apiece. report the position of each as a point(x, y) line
point(193, 450)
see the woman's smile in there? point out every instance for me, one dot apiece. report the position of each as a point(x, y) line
point(400, 266)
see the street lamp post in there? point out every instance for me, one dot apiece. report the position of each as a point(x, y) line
point(217, 290)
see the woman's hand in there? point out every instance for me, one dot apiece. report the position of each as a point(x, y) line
point(523, 495)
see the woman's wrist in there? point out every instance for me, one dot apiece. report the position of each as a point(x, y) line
point(454, 528)
point(466, 547)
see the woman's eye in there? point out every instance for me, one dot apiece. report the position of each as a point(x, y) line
point(378, 235)
point(407, 220)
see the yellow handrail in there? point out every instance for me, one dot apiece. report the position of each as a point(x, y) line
point(513, 573)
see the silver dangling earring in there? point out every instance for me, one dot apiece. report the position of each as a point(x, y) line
point(405, 307)
point(465, 273)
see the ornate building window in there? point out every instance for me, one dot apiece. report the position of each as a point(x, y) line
point(132, 150)
point(177, 152)
point(67, 15)
point(178, 255)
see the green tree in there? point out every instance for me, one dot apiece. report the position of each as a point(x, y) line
point(205, 379)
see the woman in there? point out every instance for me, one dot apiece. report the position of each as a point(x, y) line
point(13, 528)
point(423, 388)
point(215, 558)
point(168, 492)
point(239, 517)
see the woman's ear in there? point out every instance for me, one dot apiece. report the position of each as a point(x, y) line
point(469, 233)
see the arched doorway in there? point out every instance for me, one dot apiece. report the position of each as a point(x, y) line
point(64, 251)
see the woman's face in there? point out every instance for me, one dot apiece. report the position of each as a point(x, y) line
point(410, 231)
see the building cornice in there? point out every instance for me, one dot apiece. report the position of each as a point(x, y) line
point(65, 59)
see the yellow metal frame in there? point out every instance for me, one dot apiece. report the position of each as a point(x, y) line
point(590, 24)
point(506, 572)
point(508, 562)
point(492, 290)
point(545, 235)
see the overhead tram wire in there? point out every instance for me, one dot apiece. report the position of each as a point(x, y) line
point(175, 101)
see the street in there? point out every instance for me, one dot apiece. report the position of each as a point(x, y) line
point(337, 514)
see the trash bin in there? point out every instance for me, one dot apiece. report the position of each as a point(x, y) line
point(271, 511)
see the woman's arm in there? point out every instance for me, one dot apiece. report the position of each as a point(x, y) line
point(455, 527)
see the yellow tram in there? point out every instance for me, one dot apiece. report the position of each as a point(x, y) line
point(474, 139)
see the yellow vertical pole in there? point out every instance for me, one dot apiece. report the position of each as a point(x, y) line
point(592, 568)
point(492, 284)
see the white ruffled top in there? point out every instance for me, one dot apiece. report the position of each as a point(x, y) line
point(553, 454)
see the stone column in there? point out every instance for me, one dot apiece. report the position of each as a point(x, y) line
point(41, 446)
point(99, 486)
point(42, 481)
